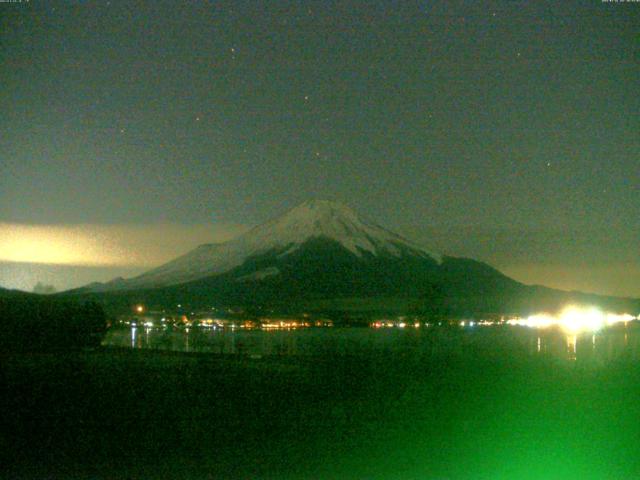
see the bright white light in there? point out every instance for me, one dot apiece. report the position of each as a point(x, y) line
point(573, 319)
point(540, 321)
point(612, 318)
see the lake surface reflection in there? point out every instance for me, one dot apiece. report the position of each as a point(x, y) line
point(603, 346)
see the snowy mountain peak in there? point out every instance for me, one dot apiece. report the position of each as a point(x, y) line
point(319, 209)
point(312, 219)
point(332, 220)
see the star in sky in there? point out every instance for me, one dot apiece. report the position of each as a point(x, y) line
point(408, 100)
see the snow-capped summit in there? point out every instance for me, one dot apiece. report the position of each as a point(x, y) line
point(332, 220)
point(285, 234)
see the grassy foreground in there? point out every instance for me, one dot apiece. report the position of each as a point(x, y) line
point(487, 414)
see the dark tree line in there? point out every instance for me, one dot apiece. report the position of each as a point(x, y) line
point(33, 323)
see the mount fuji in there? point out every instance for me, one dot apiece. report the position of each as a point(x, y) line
point(323, 254)
point(311, 221)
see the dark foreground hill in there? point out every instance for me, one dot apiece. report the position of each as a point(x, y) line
point(30, 322)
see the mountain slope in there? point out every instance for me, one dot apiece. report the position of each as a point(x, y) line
point(7, 293)
point(321, 255)
point(284, 235)
point(322, 269)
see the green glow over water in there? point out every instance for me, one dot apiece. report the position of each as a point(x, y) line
point(495, 403)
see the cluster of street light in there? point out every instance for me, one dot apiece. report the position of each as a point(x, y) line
point(575, 319)
point(572, 319)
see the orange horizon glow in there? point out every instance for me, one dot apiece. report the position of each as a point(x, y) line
point(105, 245)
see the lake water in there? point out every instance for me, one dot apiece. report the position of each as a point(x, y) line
point(598, 347)
point(465, 403)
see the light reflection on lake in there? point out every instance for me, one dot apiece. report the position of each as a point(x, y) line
point(597, 347)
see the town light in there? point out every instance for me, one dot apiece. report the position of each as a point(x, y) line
point(573, 319)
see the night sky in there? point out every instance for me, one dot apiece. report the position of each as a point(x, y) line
point(505, 131)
